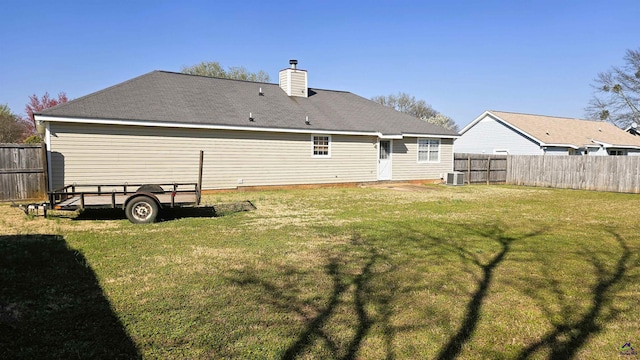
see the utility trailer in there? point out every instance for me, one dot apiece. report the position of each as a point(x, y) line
point(141, 202)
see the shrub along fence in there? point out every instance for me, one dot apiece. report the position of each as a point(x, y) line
point(23, 172)
point(481, 168)
point(602, 173)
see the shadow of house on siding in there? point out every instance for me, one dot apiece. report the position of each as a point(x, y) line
point(52, 306)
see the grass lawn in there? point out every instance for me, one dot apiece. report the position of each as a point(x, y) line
point(471, 272)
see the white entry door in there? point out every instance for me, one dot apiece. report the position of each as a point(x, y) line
point(384, 160)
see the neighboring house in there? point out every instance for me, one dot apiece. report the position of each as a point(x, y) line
point(498, 132)
point(151, 129)
point(633, 129)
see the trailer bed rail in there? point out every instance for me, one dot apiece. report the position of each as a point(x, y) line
point(74, 197)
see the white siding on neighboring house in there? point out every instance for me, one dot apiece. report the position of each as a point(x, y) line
point(601, 151)
point(405, 164)
point(489, 135)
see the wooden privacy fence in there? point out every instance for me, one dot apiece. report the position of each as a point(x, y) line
point(22, 172)
point(602, 173)
point(481, 168)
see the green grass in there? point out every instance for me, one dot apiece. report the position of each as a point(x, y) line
point(449, 272)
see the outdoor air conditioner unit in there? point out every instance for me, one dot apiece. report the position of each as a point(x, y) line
point(455, 178)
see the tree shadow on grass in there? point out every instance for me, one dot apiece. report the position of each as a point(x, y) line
point(569, 336)
point(352, 292)
point(481, 262)
point(52, 306)
point(498, 234)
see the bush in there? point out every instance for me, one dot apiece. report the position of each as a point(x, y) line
point(33, 139)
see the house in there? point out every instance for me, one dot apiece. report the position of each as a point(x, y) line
point(633, 129)
point(151, 129)
point(499, 132)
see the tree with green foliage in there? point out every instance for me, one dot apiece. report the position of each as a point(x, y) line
point(12, 127)
point(33, 139)
point(419, 108)
point(617, 97)
point(214, 69)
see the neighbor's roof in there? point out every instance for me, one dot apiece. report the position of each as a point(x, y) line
point(167, 97)
point(549, 130)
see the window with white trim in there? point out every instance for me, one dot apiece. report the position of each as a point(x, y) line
point(616, 152)
point(321, 146)
point(428, 150)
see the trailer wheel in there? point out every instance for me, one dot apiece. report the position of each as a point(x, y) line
point(142, 210)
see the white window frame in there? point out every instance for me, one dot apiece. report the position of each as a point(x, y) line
point(313, 146)
point(428, 140)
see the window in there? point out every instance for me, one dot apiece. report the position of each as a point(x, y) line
point(321, 146)
point(428, 150)
point(616, 152)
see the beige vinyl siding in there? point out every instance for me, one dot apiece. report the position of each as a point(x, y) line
point(405, 160)
point(284, 81)
point(99, 154)
point(298, 83)
point(293, 82)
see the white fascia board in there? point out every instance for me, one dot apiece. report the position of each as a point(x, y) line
point(433, 136)
point(560, 145)
point(607, 145)
point(475, 121)
point(389, 137)
point(509, 125)
point(601, 143)
point(197, 126)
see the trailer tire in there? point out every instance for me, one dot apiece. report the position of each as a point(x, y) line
point(142, 210)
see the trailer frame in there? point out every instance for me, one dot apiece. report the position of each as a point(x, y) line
point(141, 202)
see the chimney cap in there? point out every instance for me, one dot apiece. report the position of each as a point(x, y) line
point(293, 62)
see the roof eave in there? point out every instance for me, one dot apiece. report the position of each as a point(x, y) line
point(134, 122)
point(572, 146)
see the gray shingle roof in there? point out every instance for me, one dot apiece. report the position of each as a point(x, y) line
point(179, 98)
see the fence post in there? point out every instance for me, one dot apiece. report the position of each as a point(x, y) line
point(488, 169)
point(468, 169)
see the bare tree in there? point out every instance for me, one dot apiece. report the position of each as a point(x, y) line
point(419, 108)
point(617, 97)
point(214, 69)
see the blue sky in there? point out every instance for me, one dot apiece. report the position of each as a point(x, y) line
point(462, 57)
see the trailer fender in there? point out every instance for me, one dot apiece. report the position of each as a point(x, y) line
point(151, 188)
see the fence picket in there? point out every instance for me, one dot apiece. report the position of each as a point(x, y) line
point(22, 172)
point(601, 173)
